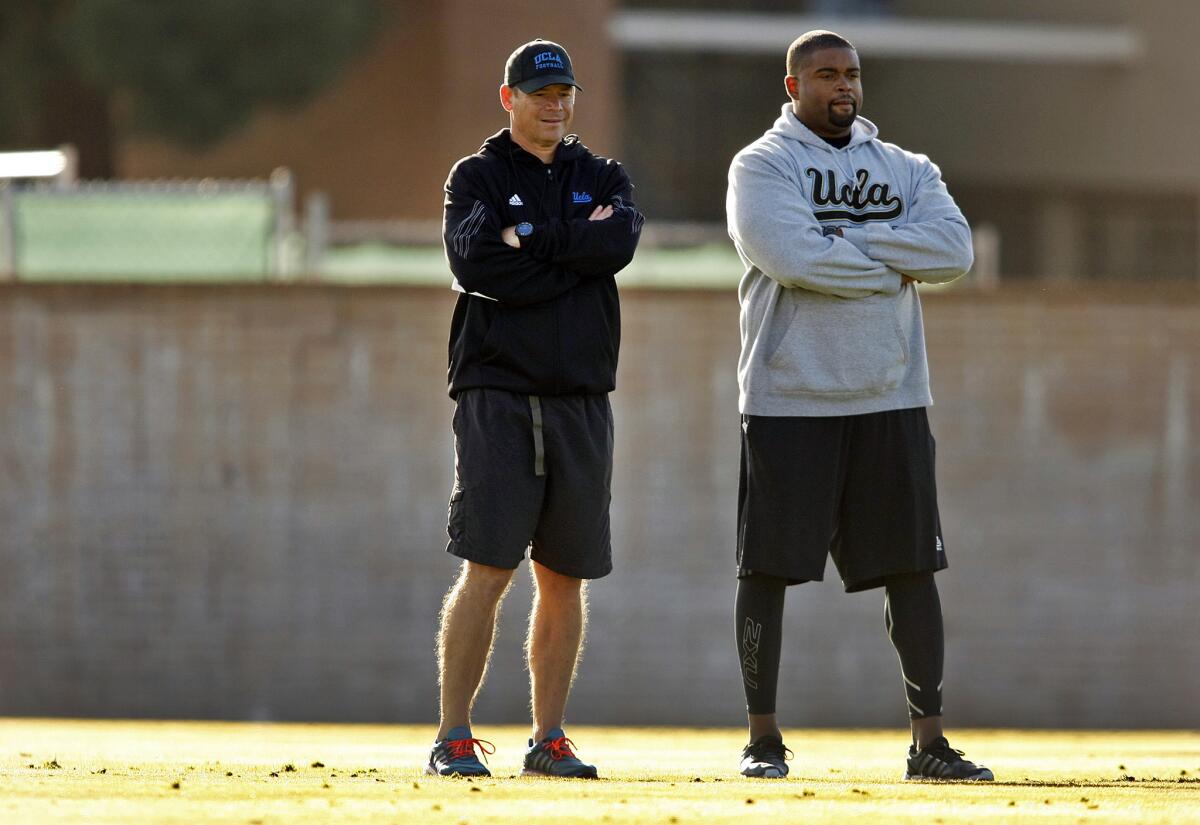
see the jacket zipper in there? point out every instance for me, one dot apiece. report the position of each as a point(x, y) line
point(558, 371)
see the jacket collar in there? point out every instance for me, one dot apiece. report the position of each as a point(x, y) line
point(502, 144)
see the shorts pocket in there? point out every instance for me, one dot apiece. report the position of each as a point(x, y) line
point(456, 516)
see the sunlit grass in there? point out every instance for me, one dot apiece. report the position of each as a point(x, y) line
point(122, 772)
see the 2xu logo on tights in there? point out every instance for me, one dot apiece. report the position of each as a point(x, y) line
point(751, 639)
point(861, 202)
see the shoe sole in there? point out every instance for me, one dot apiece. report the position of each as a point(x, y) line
point(430, 770)
point(911, 777)
point(766, 773)
point(532, 772)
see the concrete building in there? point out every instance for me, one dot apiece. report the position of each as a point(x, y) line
point(381, 141)
point(1067, 125)
point(1064, 124)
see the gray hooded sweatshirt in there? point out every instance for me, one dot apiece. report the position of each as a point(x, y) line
point(827, 326)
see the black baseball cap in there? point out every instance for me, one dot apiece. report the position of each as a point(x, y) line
point(538, 64)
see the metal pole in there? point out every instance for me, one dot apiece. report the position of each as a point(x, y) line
point(8, 231)
point(316, 233)
point(69, 176)
point(282, 190)
point(985, 274)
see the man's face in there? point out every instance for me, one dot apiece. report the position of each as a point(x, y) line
point(826, 91)
point(542, 117)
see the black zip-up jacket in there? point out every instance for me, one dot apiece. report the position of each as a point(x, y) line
point(543, 319)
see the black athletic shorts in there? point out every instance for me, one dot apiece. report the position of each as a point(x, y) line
point(858, 487)
point(532, 473)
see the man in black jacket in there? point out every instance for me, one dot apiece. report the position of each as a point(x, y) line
point(535, 228)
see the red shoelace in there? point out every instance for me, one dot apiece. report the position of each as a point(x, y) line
point(560, 748)
point(466, 747)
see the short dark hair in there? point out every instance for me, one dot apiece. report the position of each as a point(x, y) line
point(813, 41)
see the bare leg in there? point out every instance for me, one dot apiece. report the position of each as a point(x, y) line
point(464, 640)
point(552, 648)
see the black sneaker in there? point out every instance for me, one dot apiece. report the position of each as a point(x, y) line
point(764, 757)
point(939, 761)
point(455, 755)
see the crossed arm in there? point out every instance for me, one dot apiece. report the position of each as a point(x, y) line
point(934, 246)
point(774, 228)
point(558, 257)
point(905, 280)
point(510, 237)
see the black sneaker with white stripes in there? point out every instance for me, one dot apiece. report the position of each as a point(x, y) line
point(939, 761)
point(765, 757)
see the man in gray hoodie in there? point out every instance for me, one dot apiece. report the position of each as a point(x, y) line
point(835, 228)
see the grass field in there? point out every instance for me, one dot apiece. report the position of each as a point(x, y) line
point(713, 266)
point(194, 772)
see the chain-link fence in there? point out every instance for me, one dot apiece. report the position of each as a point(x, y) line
point(229, 230)
point(199, 229)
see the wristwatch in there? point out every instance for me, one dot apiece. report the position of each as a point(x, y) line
point(524, 229)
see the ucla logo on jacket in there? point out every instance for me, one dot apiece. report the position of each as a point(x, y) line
point(581, 197)
point(858, 202)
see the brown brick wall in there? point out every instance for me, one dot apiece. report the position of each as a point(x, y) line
point(230, 502)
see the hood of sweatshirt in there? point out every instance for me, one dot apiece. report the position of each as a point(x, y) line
point(789, 127)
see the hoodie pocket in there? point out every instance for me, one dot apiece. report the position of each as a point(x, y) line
point(491, 345)
point(522, 344)
point(839, 347)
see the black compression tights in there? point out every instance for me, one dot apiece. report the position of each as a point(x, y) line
point(759, 617)
point(913, 617)
point(912, 613)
